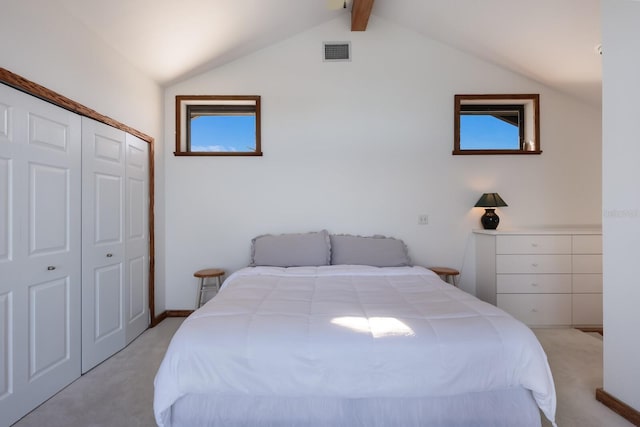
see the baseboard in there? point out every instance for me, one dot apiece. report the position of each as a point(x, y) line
point(618, 406)
point(169, 313)
point(178, 313)
point(597, 329)
point(159, 318)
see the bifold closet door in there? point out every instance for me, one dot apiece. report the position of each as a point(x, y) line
point(115, 240)
point(40, 272)
point(103, 242)
point(136, 301)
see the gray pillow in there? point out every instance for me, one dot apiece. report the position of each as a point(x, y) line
point(291, 250)
point(377, 251)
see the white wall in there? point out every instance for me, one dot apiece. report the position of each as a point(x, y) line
point(45, 45)
point(364, 147)
point(621, 199)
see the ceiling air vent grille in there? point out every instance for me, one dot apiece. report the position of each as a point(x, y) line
point(336, 51)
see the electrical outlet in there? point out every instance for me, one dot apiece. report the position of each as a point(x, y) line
point(423, 219)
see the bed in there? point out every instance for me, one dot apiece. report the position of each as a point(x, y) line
point(351, 345)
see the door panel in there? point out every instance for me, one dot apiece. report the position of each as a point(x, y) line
point(108, 295)
point(5, 209)
point(103, 268)
point(48, 133)
point(48, 209)
point(49, 328)
point(137, 290)
point(137, 237)
point(40, 176)
point(13, 349)
point(109, 198)
point(4, 121)
point(6, 346)
point(137, 209)
point(109, 149)
point(53, 265)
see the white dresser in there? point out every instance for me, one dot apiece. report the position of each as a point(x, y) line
point(543, 277)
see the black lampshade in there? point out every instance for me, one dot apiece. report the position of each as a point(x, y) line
point(490, 200)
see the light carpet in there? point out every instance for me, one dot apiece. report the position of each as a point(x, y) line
point(116, 393)
point(576, 364)
point(119, 392)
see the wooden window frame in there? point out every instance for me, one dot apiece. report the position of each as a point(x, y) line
point(185, 104)
point(530, 129)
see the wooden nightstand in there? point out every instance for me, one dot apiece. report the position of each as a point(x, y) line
point(205, 274)
point(447, 274)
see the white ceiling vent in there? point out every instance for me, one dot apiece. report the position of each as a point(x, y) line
point(336, 51)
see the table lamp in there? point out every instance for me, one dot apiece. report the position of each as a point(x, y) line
point(490, 201)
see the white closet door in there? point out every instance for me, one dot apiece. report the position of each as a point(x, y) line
point(103, 246)
point(137, 237)
point(39, 251)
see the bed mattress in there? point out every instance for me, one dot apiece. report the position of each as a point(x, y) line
point(348, 333)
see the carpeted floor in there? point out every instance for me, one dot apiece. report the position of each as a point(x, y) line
point(116, 393)
point(119, 392)
point(576, 363)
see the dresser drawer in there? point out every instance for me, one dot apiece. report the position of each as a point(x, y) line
point(587, 244)
point(587, 264)
point(532, 244)
point(533, 283)
point(587, 309)
point(533, 264)
point(538, 309)
point(587, 283)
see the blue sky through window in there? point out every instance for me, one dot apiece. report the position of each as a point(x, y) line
point(485, 132)
point(226, 133)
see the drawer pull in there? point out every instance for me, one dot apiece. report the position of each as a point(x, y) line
point(109, 255)
point(534, 264)
point(535, 245)
point(51, 268)
point(533, 310)
point(534, 284)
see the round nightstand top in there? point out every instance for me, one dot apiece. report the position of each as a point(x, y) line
point(209, 272)
point(444, 271)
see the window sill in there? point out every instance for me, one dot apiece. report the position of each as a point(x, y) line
point(216, 154)
point(486, 152)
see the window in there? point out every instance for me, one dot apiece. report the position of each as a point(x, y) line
point(496, 124)
point(217, 125)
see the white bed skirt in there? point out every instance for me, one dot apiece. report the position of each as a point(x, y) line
point(513, 407)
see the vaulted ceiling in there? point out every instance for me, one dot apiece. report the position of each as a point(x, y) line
point(551, 41)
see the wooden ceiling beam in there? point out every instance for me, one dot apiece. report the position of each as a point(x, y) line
point(360, 13)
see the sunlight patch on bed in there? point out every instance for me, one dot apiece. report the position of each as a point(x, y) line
point(378, 327)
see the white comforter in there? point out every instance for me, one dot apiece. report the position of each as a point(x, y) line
point(349, 331)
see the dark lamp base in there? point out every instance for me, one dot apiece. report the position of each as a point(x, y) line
point(490, 219)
